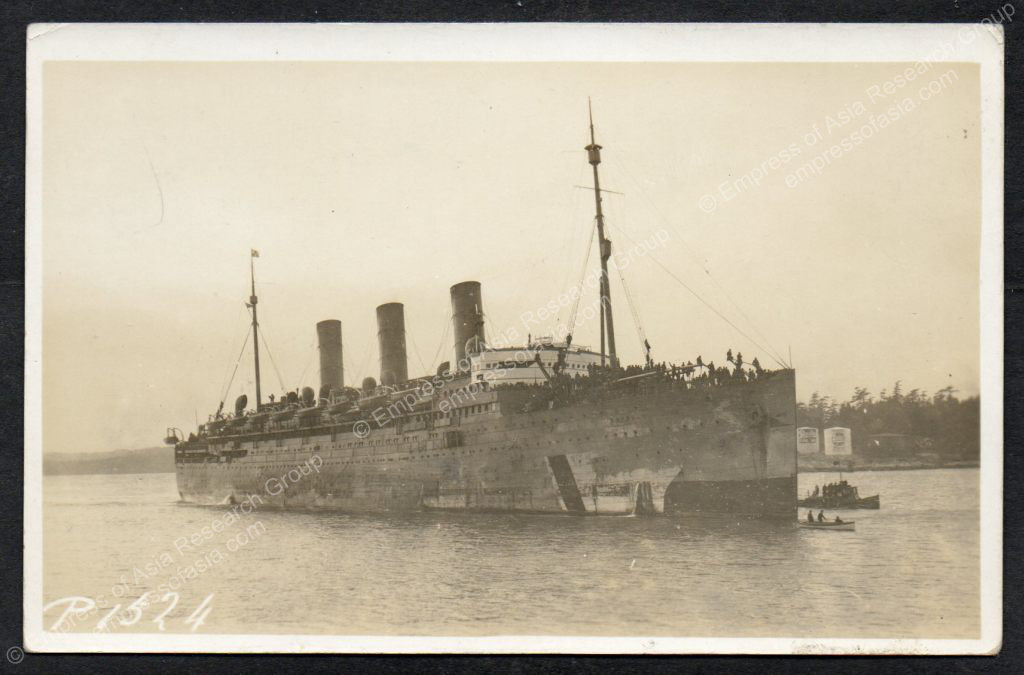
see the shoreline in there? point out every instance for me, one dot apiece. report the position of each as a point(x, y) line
point(914, 466)
point(920, 466)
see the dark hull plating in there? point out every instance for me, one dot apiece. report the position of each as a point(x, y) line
point(681, 448)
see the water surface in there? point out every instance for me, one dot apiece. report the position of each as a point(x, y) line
point(910, 570)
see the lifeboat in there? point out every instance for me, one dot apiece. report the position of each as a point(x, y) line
point(843, 526)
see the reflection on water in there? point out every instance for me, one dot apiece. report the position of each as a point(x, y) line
point(911, 569)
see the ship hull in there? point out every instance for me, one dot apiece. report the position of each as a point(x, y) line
point(724, 449)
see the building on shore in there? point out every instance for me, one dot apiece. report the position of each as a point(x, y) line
point(807, 441)
point(838, 441)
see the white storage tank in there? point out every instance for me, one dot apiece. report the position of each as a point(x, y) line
point(838, 441)
point(807, 440)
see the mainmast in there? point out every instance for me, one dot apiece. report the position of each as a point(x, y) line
point(607, 323)
point(255, 324)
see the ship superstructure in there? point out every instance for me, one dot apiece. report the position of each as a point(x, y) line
point(547, 426)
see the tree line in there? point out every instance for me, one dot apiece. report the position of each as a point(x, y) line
point(941, 423)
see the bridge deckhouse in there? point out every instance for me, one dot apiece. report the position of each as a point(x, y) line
point(518, 365)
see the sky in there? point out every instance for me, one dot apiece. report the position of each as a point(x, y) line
point(366, 183)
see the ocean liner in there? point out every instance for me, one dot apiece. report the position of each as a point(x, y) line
point(545, 427)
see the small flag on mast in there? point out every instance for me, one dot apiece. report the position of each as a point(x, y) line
point(254, 253)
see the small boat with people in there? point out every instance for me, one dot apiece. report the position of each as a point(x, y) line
point(839, 495)
point(822, 523)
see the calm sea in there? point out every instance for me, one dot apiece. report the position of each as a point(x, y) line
point(911, 569)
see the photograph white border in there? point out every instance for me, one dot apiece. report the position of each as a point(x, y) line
point(961, 43)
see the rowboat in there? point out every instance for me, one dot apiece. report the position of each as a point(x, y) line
point(845, 526)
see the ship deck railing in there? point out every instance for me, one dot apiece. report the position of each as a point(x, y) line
point(563, 389)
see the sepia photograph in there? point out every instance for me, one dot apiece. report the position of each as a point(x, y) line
point(550, 338)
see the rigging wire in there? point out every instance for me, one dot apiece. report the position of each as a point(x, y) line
point(777, 355)
point(235, 369)
point(496, 336)
point(636, 314)
point(346, 359)
point(280, 380)
point(774, 353)
point(416, 350)
point(489, 328)
point(633, 308)
point(707, 304)
point(309, 360)
point(583, 277)
point(248, 327)
point(573, 231)
point(366, 360)
point(771, 351)
point(263, 336)
point(444, 335)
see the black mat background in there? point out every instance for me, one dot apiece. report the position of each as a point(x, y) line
point(15, 15)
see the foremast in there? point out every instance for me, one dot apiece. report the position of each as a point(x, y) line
point(607, 322)
point(255, 324)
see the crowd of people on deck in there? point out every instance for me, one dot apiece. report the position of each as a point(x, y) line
point(563, 387)
point(840, 489)
point(699, 372)
point(694, 374)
